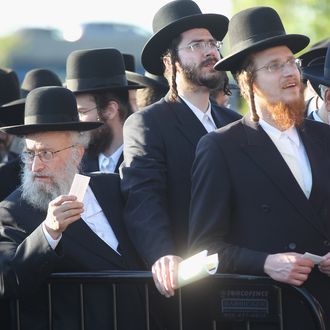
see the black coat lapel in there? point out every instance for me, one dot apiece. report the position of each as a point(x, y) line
point(315, 147)
point(265, 154)
point(186, 121)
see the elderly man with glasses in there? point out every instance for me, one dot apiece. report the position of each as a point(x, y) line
point(261, 186)
point(43, 229)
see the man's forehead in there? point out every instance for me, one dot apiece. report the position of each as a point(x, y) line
point(273, 52)
point(196, 34)
point(47, 139)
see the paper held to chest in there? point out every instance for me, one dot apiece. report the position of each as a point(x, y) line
point(197, 267)
point(79, 186)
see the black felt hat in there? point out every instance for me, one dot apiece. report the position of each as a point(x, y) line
point(255, 29)
point(50, 108)
point(35, 78)
point(319, 73)
point(169, 22)
point(99, 69)
point(148, 79)
point(315, 56)
point(10, 91)
point(130, 70)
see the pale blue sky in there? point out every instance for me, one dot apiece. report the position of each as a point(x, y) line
point(67, 14)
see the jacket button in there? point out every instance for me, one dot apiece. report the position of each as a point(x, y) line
point(292, 246)
point(265, 208)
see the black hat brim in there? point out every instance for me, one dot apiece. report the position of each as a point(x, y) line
point(146, 81)
point(12, 114)
point(315, 74)
point(232, 62)
point(160, 41)
point(50, 127)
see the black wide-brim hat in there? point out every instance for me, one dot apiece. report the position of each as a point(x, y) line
point(50, 108)
point(98, 69)
point(10, 91)
point(34, 78)
point(319, 74)
point(169, 22)
point(255, 29)
point(315, 56)
point(148, 79)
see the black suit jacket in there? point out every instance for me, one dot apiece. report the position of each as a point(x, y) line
point(10, 177)
point(159, 148)
point(27, 260)
point(90, 163)
point(246, 203)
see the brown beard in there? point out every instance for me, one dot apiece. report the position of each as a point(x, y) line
point(285, 115)
point(101, 139)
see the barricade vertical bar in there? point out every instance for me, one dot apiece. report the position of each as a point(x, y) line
point(180, 310)
point(18, 320)
point(214, 325)
point(50, 306)
point(82, 310)
point(146, 293)
point(115, 321)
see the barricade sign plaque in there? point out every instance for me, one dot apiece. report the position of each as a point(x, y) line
point(249, 302)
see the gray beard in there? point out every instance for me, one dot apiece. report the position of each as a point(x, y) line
point(39, 194)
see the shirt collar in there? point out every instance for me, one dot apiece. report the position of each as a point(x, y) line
point(115, 156)
point(277, 134)
point(199, 113)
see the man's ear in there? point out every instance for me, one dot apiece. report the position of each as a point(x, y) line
point(327, 96)
point(111, 110)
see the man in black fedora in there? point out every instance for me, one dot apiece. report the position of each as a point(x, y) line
point(160, 140)
point(97, 78)
point(9, 91)
point(261, 186)
point(12, 113)
point(319, 75)
point(45, 230)
point(315, 56)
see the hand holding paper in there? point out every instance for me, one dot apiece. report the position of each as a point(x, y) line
point(197, 267)
point(79, 186)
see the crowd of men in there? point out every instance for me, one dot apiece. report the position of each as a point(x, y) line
point(172, 171)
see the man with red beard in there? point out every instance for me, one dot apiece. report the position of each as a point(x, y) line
point(44, 230)
point(261, 186)
point(160, 140)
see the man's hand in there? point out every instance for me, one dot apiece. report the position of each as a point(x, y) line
point(62, 211)
point(324, 265)
point(288, 267)
point(165, 274)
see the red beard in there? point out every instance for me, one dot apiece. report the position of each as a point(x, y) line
point(285, 115)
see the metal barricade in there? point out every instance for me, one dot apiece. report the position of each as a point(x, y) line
point(226, 297)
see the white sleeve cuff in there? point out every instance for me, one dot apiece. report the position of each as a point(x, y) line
point(52, 242)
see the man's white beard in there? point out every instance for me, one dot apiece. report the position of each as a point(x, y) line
point(39, 194)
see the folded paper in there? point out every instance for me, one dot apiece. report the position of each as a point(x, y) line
point(197, 267)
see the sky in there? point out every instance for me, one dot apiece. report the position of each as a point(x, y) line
point(67, 15)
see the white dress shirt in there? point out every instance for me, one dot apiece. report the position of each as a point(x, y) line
point(96, 221)
point(107, 164)
point(204, 117)
point(293, 152)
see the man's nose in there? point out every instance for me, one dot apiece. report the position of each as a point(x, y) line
point(37, 164)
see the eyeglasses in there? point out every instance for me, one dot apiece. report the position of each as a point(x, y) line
point(45, 155)
point(202, 45)
point(86, 111)
point(277, 66)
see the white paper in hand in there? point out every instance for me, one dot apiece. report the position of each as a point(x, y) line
point(197, 267)
point(79, 186)
point(315, 258)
